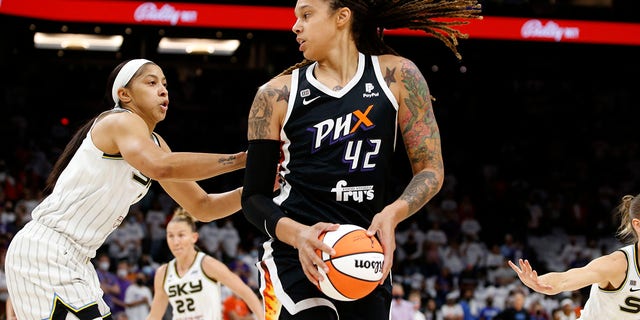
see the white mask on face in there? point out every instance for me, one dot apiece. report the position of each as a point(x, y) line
point(122, 273)
point(104, 266)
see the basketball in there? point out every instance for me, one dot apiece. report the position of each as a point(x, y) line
point(356, 268)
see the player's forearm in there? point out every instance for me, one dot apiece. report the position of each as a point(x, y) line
point(569, 280)
point(188, 166)
point(422, 188)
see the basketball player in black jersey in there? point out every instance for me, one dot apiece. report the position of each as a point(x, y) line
point(331, 123)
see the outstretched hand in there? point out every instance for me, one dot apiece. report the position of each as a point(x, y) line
point(529, 277)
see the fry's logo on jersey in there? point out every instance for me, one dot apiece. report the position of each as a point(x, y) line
point(358, 193)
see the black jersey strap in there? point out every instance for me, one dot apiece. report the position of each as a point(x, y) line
point(259, 176)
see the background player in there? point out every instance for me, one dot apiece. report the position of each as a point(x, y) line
point(614, 278)
point(192, 281)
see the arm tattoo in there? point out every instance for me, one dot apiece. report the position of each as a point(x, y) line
point(389, 77)
point(262, 110)
point(227, 160)
point(419, 130)
point(283, 94)
point(422, 138)
point(421, 188)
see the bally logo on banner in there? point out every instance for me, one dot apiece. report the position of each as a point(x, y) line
point(534, 28)
point(148, 12)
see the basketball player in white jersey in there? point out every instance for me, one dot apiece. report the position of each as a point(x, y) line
point(614, 278)
point(191, 282)
point(106, 167)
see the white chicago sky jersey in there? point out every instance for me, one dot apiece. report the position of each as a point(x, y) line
point(194, 296)
point(622, 303)
point(92, 197)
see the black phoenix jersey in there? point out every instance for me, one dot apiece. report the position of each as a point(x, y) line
point(337, 147)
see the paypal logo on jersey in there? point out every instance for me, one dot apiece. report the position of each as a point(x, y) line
point(368, 88)
point(340, 128)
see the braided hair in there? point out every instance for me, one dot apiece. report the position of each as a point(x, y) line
point(372, 17)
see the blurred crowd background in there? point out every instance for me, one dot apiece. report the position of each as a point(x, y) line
point(540, 144)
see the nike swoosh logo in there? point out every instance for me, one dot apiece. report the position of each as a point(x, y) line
point(634, 289)
point(306, 102)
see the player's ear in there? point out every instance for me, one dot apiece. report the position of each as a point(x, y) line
point(343, 17)
point(123, 95)
point(195, 237)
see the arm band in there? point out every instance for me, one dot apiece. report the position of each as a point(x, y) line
point(257, 194)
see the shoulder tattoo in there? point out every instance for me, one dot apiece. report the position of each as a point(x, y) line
point(262, 110)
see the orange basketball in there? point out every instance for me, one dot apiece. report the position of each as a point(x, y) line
point(356, 268)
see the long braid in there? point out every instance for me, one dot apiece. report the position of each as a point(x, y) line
point(296, 66)
point(372, 17)
point(420, 15)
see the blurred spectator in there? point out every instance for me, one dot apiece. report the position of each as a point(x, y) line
point(570, 251)
point(230, 239)
point(469, 305)
point(494, 259)
point(416, 299)
point(137, 298)
point(431, 310)
point(8, 215)
point(234, 308)
point(537, 311)
point(124, 279)
point(126, 241)
point(108, 280)
point(515, 309)
point(401, 308)
point(11, 187)
point(474, 252)
point(156, 221)
point(29, 201)
point(435, 234)
point(452, 310)
point(567, 310)
point(444, 284)
point(249, 259)
point(508, 248)
point(453, 258)
point(210, 239)
point(148, 266)
point(489, 311)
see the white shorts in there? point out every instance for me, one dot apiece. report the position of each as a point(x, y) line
point(46, 274)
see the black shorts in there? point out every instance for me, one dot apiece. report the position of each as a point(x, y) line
point(288, 294)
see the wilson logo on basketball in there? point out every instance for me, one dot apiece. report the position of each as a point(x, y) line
point(368, 264)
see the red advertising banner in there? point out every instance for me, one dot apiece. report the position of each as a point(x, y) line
point(282, 18)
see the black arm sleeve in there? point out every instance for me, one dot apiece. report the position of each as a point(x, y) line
point(259, 176)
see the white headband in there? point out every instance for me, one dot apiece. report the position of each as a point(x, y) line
point(124, 76)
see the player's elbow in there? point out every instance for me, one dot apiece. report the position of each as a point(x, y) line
point(159, 172)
